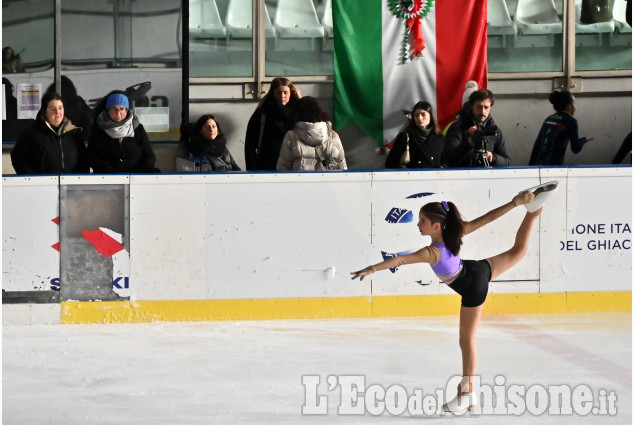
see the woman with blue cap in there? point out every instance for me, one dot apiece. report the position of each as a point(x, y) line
point(118, 142)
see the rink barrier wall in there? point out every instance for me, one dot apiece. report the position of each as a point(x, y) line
point(350, 307)
point(281, 245)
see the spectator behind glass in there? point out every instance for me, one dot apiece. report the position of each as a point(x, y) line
point(11, 62)
point(268, 125)
point(208, 141)
point(311, 144)
point(12, 126)
point(421, 138)
point(118, 142)
point(52, 145)
point(75, 108)
point(557, 131)
point(459, 144)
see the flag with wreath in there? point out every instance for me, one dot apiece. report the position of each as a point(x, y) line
point(390, 54)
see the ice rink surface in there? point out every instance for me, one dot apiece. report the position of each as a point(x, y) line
point(252, 372)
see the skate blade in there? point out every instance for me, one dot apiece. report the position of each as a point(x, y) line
point(540, 199)
point(467, 414)
point(547, 185)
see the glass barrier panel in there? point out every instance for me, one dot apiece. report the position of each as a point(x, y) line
point(28, 37)
point(524, 35)
point(299, 37)
point(221, 38)
point(603, 37)
point(127, 31)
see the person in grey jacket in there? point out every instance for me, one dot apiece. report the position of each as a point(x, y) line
point(209, 141)
point(311, 144)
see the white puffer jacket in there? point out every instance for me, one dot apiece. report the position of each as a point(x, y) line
point(311, 146)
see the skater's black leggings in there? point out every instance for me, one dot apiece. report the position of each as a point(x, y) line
point(473, 282)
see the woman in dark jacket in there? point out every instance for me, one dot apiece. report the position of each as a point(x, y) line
point(118, 142)
point(268, 125)
point(52, 145)
point(209, 142)
point(421, 138)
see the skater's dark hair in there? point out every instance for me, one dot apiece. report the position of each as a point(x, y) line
point(448, 216)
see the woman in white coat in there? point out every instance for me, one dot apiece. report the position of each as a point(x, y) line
point(311, 144)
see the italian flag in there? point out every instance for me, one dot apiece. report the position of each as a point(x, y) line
point(390, 54)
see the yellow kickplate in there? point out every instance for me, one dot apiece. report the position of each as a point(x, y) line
point(349, 307)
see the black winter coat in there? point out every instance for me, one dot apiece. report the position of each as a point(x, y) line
point(277, 120)
point(132, 155)
point(459, 152)
point(42, 150)
point(425, 152)
point(215, 151)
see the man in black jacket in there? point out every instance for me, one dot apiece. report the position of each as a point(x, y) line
point(474, 140)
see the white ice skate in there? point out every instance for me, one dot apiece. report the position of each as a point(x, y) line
point(542, 192)
point(462, 403)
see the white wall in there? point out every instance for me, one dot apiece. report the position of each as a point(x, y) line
point(226, 236)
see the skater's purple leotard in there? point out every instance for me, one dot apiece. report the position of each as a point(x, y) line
point(449, 265)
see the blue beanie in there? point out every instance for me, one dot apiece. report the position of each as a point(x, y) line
point(117, 99)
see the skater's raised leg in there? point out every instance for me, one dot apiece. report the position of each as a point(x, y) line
point(502, 262)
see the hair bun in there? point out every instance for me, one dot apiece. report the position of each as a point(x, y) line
point(560, 99)
point(555, 97)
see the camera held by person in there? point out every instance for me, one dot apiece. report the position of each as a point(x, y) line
point(474, 136)
point(479, 155)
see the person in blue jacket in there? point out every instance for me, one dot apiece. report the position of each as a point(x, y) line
point(558, 131)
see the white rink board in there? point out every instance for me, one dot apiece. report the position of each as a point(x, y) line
point(270, 235)
point(298, 237)
point(167, 238)
point(590, 250)
point(29, 261)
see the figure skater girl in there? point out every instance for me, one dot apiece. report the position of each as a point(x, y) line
point(469, 278)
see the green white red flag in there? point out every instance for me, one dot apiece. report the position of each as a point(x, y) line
point(390, 54)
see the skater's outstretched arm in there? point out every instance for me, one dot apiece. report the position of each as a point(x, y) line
point(520, 199)
point(426, 254)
